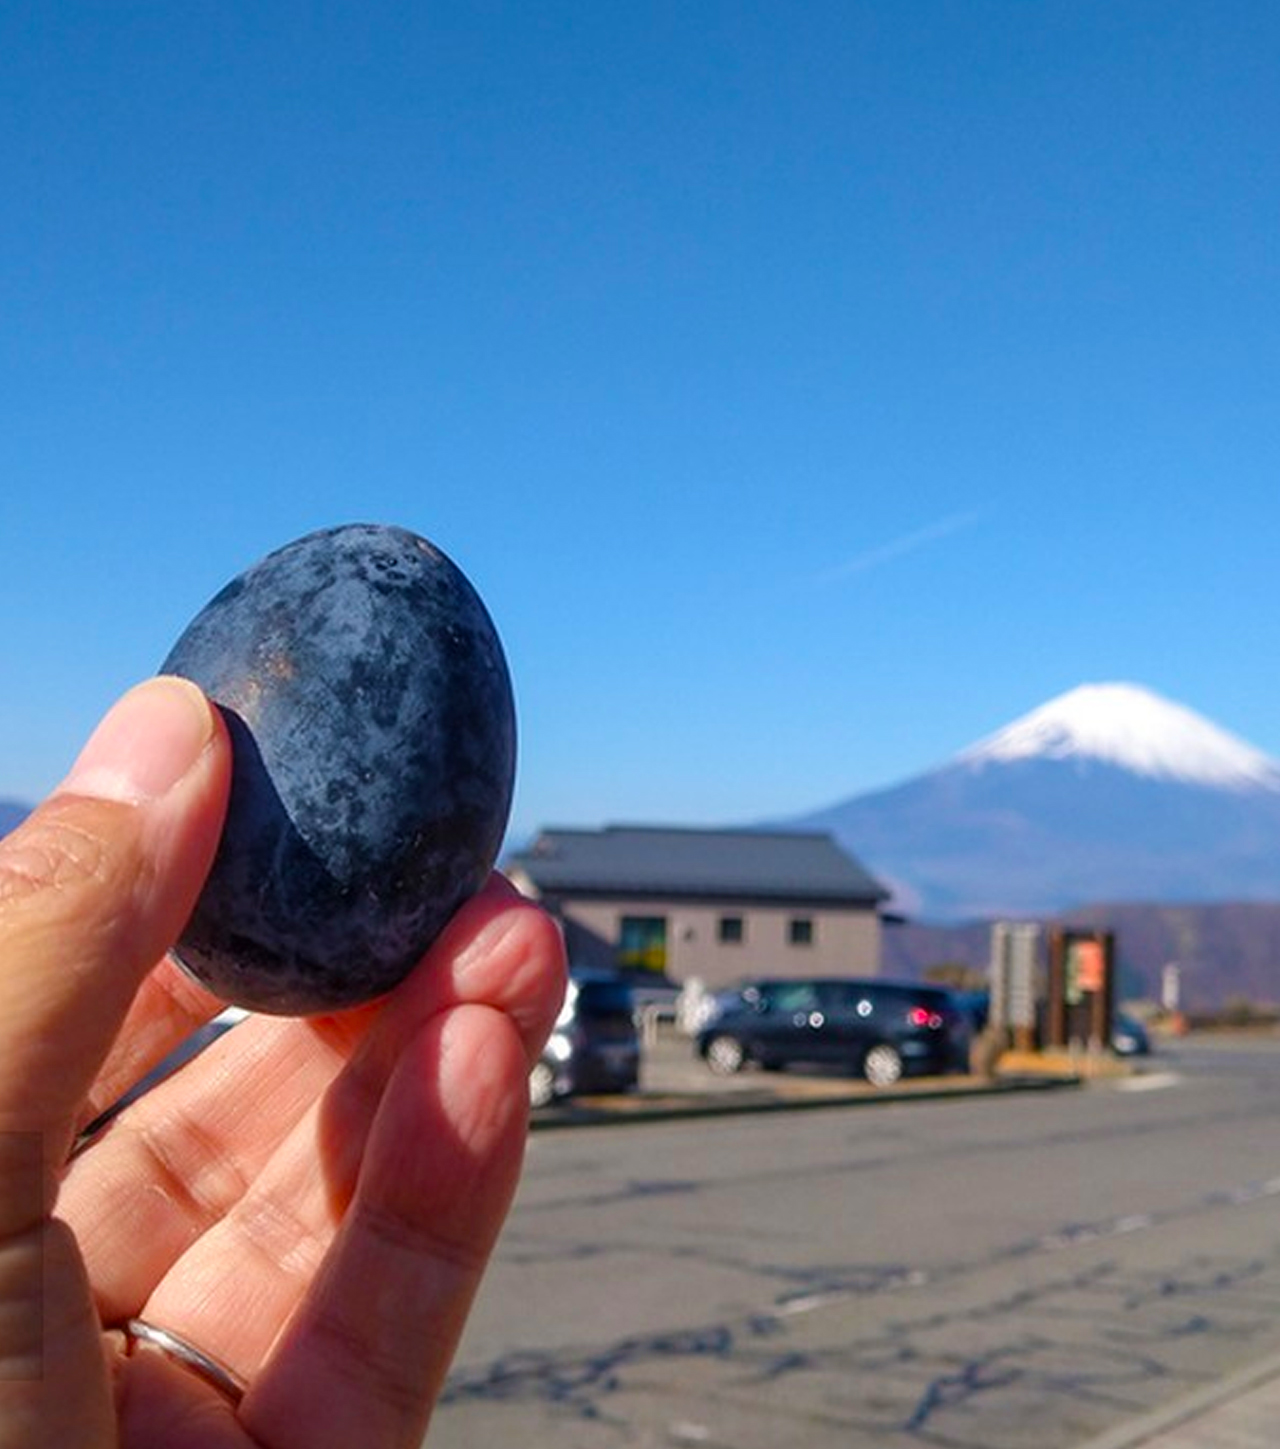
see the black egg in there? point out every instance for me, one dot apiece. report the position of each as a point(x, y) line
point(373, 731)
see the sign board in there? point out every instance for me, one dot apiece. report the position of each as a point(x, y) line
point(1090, 965)
point(1081, 987)
point(1015, 947)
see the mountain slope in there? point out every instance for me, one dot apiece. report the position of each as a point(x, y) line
point(1106, 793)
point(1136, 730)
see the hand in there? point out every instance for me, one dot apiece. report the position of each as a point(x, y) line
point(311, 1202)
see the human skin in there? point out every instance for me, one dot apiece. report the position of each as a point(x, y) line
point(311, 1201)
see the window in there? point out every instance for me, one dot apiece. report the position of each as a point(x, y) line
point(642, 942)
point(791, 997)
point(732, 931)
point(800, 931)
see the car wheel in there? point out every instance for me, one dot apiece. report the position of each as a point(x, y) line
point(542, 1085)
point(882, 1065)
point(725, 1055)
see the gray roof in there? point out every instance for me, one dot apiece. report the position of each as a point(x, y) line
point(652, 860)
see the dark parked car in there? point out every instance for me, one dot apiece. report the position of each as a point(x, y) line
point(880, 1029)
point(595, 1044)
point(1129, 1036)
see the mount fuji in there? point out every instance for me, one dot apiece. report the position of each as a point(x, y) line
point(1107, 793)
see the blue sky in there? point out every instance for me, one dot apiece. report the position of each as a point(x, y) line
point(808, 388)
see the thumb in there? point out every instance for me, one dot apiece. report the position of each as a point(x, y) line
point(94, 887)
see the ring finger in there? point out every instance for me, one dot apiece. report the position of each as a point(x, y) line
point(199, 1149)
point(504, 954)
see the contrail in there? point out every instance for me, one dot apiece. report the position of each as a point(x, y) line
point(896, 548)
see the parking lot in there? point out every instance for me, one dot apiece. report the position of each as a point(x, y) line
point(674, 1082)
point(945, 1263)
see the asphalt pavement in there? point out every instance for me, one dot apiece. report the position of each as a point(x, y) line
point(1240, 1411)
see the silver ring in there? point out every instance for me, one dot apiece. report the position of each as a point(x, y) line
point(138, 1330)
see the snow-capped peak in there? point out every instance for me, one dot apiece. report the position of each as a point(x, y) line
point(1135, 729)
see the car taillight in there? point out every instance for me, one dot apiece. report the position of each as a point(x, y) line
point(922, 1016)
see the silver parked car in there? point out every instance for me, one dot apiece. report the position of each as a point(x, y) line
point(595, 1043)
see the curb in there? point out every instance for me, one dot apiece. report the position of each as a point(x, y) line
point(1186, 1410)
point(626, 1110)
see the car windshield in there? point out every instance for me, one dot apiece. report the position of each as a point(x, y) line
point(600, 1000)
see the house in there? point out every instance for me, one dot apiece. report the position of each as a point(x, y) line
point(711, 905)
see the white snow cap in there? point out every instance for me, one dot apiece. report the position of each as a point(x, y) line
point(1136, 729)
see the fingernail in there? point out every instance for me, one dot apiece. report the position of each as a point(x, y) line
point(144, 745)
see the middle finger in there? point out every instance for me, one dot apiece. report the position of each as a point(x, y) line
point(176, 1160)
point(238, 1284)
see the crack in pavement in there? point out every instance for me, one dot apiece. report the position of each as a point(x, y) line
point(1121, 1312)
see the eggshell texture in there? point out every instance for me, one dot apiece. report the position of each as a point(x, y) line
point(373, 731)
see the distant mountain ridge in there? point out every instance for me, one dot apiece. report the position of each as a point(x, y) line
point(1108, 792)
point(12, 813)
point(1224, 950)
